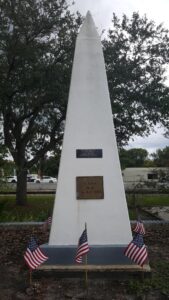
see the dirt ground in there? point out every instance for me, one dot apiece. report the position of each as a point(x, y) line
point(14, 275)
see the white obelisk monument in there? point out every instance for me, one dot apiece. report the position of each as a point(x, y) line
point(90, 187)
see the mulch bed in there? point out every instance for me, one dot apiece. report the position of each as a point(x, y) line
point(14, 275)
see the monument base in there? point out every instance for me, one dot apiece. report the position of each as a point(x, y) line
point(103, 261)
point(96, 269)
point(98, 255)
point(114, 272)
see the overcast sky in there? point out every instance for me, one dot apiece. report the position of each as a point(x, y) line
point(102, 11)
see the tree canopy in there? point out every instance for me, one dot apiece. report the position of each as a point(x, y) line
point(136, 54)
point(135, 157)
point(36, 50)
point(161, 157)
point(37, 40)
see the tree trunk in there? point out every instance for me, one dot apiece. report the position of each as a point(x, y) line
point(41, 166)
point(21, 189)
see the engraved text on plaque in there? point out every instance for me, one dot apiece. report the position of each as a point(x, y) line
point(89, 187)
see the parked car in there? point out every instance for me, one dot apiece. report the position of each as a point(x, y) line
point(47, 179)
point(33, 178)
point(12, 179)
point(36, 179)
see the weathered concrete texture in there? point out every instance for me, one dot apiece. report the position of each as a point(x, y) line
point(100, 271)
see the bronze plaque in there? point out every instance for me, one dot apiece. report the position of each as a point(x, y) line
point(89, 187)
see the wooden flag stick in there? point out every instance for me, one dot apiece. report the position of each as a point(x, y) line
point(30, 277)
point(86, 274)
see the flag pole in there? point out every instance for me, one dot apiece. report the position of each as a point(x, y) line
point(30, 277)
point(86, 274)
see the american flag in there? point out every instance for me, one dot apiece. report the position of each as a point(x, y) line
point(136, 250)
point(139, 228)
point(83, 247)
point(47, 222)
point(33, 256)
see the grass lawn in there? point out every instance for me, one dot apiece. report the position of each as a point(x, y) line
point(138, 201)
point(39, 207)
point(147, 200)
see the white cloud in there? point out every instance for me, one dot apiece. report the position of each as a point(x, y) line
point(151, 143)
point(102, 10)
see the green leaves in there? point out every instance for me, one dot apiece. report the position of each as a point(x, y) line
point(136, 53)
point(37, 43)
point(36, 51)
point(135, 157)
point(161, 157)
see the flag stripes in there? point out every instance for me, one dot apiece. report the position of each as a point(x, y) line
point(82, 250)
point(47, 223)
point(138, 255)
point(83, 247)
point(136, 250)
point(139, 228)
point(33, 255)
point(49, 220)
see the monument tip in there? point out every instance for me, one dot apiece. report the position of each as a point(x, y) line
point(88, 14)
point(88, 29)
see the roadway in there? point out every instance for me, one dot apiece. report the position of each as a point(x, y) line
point(35, 187)
point(41, 186)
